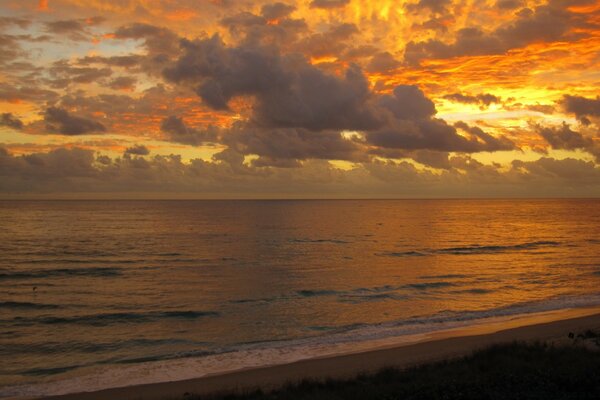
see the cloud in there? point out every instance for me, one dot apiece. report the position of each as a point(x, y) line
point(64, 74)
point(123, 83)
point(570, 171)
point(383, 63)
point(20, 22)
point(546, 23)
point(74, 29)
point(509, 4)
point(582, 107)
point(435, 6)
point(564, 138)
point(17, 93)
point(278, 144)
point(275, 11)
point(157, 40)
point(79, 170)
point(288, 91)
point(435, 159)
point(59, 120)
point(482, 99)
point(126, 61)
point(9, 120)
point(273, 27)
point(329, 43)
point(328, 4)
point(413, 127)
point(408, 102)
point(179, 132)
point(138, 150)
point(489, 142)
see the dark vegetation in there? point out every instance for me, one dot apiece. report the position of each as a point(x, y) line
point(514, 371)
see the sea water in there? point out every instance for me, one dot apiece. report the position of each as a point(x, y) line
point(96, 294)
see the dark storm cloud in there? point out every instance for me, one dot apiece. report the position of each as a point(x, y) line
point(179, 132)
point(327, 4)
point(582, 107)
point(483, 99)
point(543, 24)
point(60, 121)
point(137, 150)
point(289, 91)
point(9, 120)
point(564, 137)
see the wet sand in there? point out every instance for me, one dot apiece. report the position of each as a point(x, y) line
point(548, 327)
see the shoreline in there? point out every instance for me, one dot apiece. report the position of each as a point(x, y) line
point(439, 345)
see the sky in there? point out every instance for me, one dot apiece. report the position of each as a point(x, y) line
point(299, 99)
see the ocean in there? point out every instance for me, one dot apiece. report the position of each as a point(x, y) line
point(101, 293)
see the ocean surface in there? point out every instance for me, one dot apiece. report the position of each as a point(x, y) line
point(169, 288)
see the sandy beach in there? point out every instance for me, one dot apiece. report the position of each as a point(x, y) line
point(553, 327)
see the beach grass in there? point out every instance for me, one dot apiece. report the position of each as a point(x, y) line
point(510, 371)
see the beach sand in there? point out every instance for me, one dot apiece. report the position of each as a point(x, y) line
point(551, 327)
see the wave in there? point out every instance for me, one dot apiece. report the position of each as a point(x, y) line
point(330, 340)
point(112, 318)
point(429, 285)
point(62, 272)
point(90, 347)
point(361, 298)
point(474, 249)
point(447, 276)
point(335, 241)
point(356, 295)
point(313, 293)
point(27, 306)
point(404, 254)
point(50, 371)
point(475, 291)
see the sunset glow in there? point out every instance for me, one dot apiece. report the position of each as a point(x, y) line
point(321, 98)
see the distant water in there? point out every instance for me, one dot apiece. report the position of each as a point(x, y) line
point(86, 286)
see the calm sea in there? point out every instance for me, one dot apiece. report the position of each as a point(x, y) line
point(88, 288)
